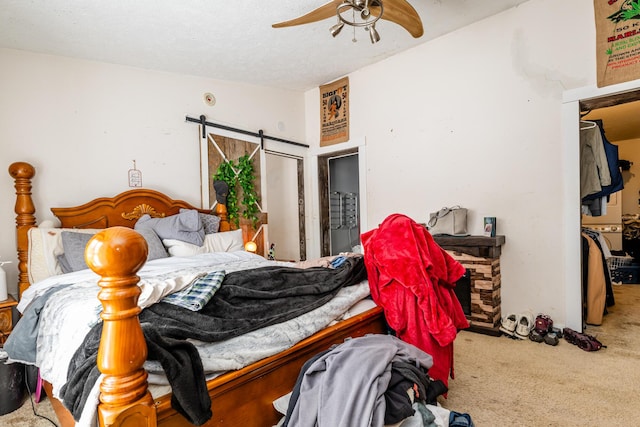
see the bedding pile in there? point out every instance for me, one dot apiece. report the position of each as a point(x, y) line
point(258, 298)
point(247, 300)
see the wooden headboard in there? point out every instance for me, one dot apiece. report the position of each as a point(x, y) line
point(121, 210)
point(124, 210)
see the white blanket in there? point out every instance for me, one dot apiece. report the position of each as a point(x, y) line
point(70, 313)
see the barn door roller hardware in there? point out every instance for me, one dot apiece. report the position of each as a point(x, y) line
point(202, 120)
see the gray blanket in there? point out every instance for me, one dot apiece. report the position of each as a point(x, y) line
point(21, 344)
point(246, 301)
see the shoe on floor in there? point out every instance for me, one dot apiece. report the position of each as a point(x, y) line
point(543, 324)
point(524, 326)
point(508, 324)
point(557, 331)
point(551, 338)
point(535, 336)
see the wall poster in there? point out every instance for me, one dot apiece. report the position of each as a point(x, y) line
point(334, 112)
point(617, 40)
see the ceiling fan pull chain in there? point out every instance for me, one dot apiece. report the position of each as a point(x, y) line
point(353, 14)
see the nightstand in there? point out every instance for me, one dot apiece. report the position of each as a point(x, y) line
point(6, 318)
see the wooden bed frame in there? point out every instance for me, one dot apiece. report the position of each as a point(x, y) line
point(239, 398)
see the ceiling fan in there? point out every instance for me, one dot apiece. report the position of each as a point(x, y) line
point(362, 13)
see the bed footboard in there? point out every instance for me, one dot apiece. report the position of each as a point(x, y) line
point(116, 254)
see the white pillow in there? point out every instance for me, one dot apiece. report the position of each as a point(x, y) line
point(226, 241)
point(45, 244)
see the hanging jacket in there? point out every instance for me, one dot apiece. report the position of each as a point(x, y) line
point(596, 294)
point(594, 168)
point(611, 151)
point(413, 280)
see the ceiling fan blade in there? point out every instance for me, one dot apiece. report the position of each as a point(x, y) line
point(403, 14)
point(323, 12)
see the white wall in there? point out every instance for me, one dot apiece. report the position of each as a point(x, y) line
point(81, 124)
point(475, 118)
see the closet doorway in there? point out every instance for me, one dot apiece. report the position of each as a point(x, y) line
point(617, 113)
point(340, 201)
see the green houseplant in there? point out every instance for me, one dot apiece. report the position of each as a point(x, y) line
point(240, 179)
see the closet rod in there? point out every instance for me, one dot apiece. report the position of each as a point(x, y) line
point(202, 120)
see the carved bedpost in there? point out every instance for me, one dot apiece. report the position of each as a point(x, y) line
point(116, 254)
point(221, 211)
point(25, 218)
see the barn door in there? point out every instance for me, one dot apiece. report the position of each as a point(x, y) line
point(221, 149)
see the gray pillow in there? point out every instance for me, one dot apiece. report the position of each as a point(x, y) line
point(156, 248)
point(64, 265)
point(185, 226)
point(211, 223)
point(73, 245)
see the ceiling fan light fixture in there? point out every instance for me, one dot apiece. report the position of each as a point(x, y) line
point(361, 16)
point(335, 30)
point(373, 34)
point(363, 13)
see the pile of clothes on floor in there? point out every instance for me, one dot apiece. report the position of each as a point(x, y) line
point(375, 380)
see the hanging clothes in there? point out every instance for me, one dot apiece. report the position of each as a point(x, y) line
point(613, 158)
point(594, 168)
point(597, 287)
point(595, 207)
point(594, 296)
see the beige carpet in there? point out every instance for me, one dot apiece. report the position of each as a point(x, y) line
point(25, 416)
point(504, 382)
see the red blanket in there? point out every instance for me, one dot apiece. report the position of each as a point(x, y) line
point(413, 280)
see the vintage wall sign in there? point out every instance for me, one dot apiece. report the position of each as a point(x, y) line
point(617, 40)
point(334, 112)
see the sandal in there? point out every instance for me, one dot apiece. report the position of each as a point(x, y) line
point(584, 341)
point(589, 343)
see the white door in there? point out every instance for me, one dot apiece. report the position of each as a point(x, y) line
point(285, 202)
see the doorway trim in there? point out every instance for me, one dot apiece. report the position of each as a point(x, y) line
point(355, 145)
point(571, 193)
point(324, 186)
point(302, 231)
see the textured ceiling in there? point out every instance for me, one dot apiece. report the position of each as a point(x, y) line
point(233, 39)
point(227, 40)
